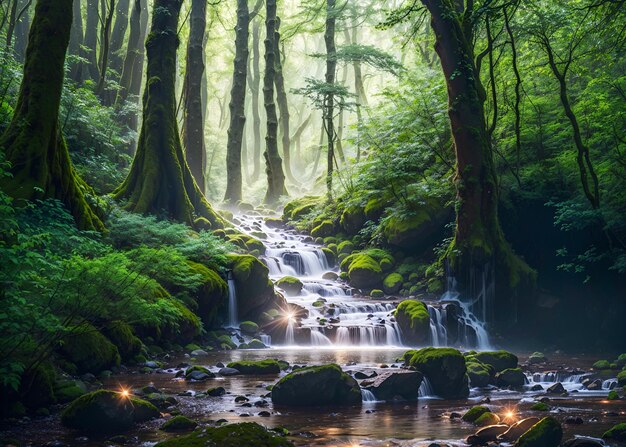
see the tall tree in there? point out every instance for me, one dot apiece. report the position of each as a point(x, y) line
point(90, 42)
point(21, 29)
point(329, 100)
point(108, 8)
point(479, 245)
point(76, 41)
point(119, 34)
point(237, 105)
point(40, 162)
point(273, 162)
point(255, 86)
point(160, 181)
point(193, 123)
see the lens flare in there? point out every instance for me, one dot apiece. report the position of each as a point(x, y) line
point(124, 393)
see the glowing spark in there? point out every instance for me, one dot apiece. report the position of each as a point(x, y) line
point(124, 393)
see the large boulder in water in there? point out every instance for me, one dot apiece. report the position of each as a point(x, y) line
point(212, 295)
point(106, 411)
point(480, 375)
point(292, 286)
point(317, 385)
point(392, 385)
point(511, 378)
point(444, 368)
point(247, 434)
point(268, 366)
point(365, 272)
point(414, 322)
point(617, 433)
point(518, 429)
point(498, 360)
point(487, 434)
point(545, 433)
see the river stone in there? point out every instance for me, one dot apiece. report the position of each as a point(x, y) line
point(518, 429)
point(105, 411)
point(511, 378)
point(330, 276)
point(228, 372)
point(199, 353)
point(444, 368)
point(545, 433)
point(317, 385)
point(247, 434)
point(487, 434)
point(391, 385)
point(557, 388)
point(583, 442)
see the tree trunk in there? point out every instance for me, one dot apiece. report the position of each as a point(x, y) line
point(193, 121)
point(21, 30)
point(159, 181)
point(273, 162)
point(479, 245)
point(105, 41)
point(340, 120)
point(329, 101)
point(11, 25)
point(132, 51)
point(237, 105)
point(118, 34)
point(40, 163)
point(91, 41)
point(255, 85)
point(76, 41)
point(283, 105)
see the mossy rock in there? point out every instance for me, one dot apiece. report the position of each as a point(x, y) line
point(602, 365)
point(545, 433)
point(330, 256)
point(121, 335)
point(613, 395)
point(179, 423)
point(537, 357)
point(419, 230)
point(511, 378)
point(444, 368)
point(212, 295)
point(345, 247)
point(37, 386)
point(474, 413)
point(392, 283)
point(292, 286)
point(69, 390)
point(254, 344)
point(259, 367)
point(621, 378)
point(107, 411)
point(247, 434)
point(374, 209)
point(498, 360)
point(315, 386)
point(616, 433)
point(90, 351)
point(377, 293)
point(198, 373)
point(249, 327)
point(324, 229)
point(620, 361)
point(352, 219)
point(414, 322)
point(486, 419)
point(365, 272)
point(480, 375)
point(540, 406)
point(255, 291)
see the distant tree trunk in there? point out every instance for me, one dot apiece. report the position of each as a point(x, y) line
point(118, 35)
point(237, 105)
point(340, 121)
point(40, 163)
point(159, 181)
point(283, 105)
point(132, 51)
point(297, 136)
point(12, 11)
point(479, 245)
point(255, 85)
point(361, 97)
point(91, 41)
point(76, 41)
point(105, 41)
point(329, 100)
point(21, 30)
point(273, 162)
point(193, 122)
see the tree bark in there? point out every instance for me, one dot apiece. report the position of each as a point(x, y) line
point(159, 181)
point(193, 120)
point(132, 51)
point(479, 245)
point(76, 41)
point(273, 162)
point(91, 41)
point(40, 162)
point(118, 34)
point(237, 105)
point(105, 42)
point(255, 85)
point(329, 100)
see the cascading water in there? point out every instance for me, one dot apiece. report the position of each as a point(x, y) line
point(232, 302)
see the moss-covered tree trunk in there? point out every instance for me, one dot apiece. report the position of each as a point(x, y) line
point(329, 100)
point(273, 162)
point(255, 85)
point(193, 132)
point(40, 163)
point(159, 181)
point(479, 254)
point(237, 105)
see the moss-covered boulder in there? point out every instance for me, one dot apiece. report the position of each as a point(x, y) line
point(545, 433)
point(444, 368)
point(365, 272)
point(498, 360)
point(621, 378)
point(324, 229)
point(260, 367)
point(121, 334)
point(480, 375)
point(537, 357)
point(179, 423)
point(602, 365)
point(540, 406)
point(392, 283)
point(377, 293)
point(345, 247)
point(89, 350)
point(616, 433)
point(212, 295)
point(198, 373)
point(511, 378)
point(255, 291)
point(317, 385)
point(487, 419)
point(249, 327)
point(419, 230)
point(374, 208)
point(69, 390)
point(107, 411)
point(37, 387)
point(474, 413)
point(292, 286)
point(352, 219)
point(392, 385)
point(247, 434)
point(298, 208)
point(414, 322)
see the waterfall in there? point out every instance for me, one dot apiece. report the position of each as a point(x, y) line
point(266, 339)
point(319, 339)
point(289, 336)
point(233, 320)
point(343, 336)
point(367, 396)
point(426, 389)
